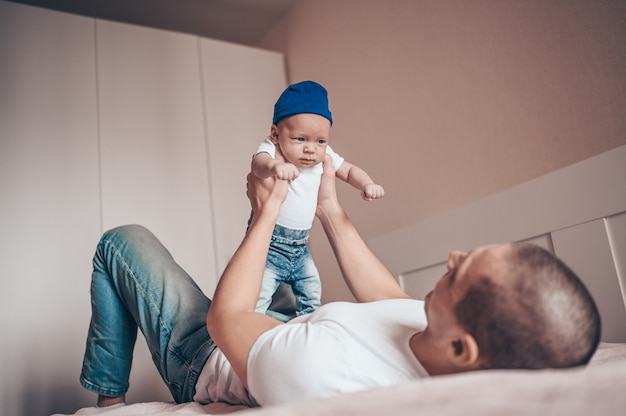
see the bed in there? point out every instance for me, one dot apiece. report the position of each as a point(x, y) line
point(579, 213)
point(597, 389)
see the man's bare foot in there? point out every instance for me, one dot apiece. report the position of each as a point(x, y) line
point(105, 401)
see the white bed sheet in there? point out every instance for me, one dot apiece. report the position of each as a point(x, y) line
point(598, 389)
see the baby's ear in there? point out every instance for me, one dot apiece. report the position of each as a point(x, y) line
point(274, 134)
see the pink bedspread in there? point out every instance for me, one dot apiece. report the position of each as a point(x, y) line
point(598, 389)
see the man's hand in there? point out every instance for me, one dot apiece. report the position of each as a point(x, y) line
point(327, 194)
point(269, 192)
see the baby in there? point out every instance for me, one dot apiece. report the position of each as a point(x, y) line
point(300, 132)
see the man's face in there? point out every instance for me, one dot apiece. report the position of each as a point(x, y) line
point(463, 270)
point(302, 139)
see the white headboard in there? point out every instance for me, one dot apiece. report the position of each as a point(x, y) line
point(578, 212)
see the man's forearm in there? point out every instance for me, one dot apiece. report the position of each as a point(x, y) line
point(232, 321)
point(240, 283)
point(365, 275)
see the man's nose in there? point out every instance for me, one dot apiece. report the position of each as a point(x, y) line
point(454, 258)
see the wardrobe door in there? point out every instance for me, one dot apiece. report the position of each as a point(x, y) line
point(241, 85)
point(154, 156)
point(49, 205)
point(152, 142)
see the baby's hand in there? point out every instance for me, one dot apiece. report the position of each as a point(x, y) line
point(372, 191)
point(285, 171)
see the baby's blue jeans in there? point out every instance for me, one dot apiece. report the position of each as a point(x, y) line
point(290, 261)
point(137, 284)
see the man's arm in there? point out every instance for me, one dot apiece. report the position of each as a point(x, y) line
point(232, 321)
point(366, 276)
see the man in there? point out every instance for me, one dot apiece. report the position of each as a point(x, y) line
point(500, 306)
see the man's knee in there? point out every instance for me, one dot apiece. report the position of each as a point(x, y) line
point(125, 232)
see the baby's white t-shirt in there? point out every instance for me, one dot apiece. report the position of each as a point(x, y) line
point(298, 210)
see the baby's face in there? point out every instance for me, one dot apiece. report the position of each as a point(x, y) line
point(302, 138)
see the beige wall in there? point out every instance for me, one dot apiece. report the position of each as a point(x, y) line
point(445, 102)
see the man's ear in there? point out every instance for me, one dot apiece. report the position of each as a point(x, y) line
point(464, 351)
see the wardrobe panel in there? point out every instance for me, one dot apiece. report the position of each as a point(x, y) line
point(152, 146)
point(241, 85)
point(153, 156)
point(49, 206)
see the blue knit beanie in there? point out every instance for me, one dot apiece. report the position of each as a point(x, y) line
point(303, 97)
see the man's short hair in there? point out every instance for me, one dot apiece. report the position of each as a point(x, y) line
point(540, 315)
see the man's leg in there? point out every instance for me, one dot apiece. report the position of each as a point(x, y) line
point(136, 283)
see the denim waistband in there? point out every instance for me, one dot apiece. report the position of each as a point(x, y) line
point(288, 236)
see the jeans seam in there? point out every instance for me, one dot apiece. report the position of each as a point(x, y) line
point(101, 390)
point(151, 303)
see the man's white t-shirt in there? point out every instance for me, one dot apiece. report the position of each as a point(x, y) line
point(341, 347)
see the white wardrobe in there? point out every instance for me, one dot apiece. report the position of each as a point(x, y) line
point(103, 124)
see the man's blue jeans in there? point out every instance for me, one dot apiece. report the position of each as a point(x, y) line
point(137, 284)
